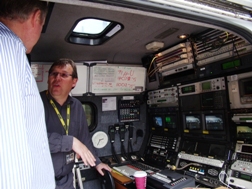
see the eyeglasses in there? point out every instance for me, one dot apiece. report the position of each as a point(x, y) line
point(62, 75)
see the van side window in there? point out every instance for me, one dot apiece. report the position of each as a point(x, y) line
point(91, 112)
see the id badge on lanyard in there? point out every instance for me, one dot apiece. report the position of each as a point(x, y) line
point(69, 158)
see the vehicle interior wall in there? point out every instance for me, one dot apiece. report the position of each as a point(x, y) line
point(107, 118)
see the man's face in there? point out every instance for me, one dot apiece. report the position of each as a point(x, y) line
point(61, 82)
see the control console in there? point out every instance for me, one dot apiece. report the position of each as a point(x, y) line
point(203, 160)
point(204, 170)
point(240, 174)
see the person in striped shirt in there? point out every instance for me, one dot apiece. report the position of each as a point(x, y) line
point(25, 161)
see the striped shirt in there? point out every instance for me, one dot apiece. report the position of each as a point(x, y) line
point(25, 161)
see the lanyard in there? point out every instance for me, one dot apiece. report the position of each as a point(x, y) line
point(65, 126)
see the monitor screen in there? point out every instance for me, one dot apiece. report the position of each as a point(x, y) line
point(206, 86)
point(244, 132)
point(193, 122)
point(246, 148)
point(217, 151)
point(188, 89)
point(170, 121)
point(207, 100)
point(202, 149)
point(157, 121)
point(245, 87)
point(188, 146)
point(214, 122)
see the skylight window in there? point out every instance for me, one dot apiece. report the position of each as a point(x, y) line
point(93, 31)
point(91, 26)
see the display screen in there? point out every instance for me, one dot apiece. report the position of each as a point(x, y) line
point(245, 87)
point(217, 151)
point(188, 89)
point(246, 149)
point(158, 122)
point(248, 87)
point(244, 132)
point(193, 122)
point(170, 121)
point(188, 147)
point(202, 149)
point(245, 177)
point(207, 100)
point(214, 122)
point(231, 64)
point(206, 85)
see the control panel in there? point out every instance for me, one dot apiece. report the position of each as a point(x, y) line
point(211, 85)
point(205, 170)
point(203, 160)
point(129, 110)
point(167, 96)
point(240, 174)
point(162, 150)
point(168, 179)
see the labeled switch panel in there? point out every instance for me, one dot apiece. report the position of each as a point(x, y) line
point(129, 110)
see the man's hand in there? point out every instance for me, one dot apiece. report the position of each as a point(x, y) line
point(101, 166)
point(83, 152)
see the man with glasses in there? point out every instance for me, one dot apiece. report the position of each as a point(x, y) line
point(25, 161)
point(67, 124)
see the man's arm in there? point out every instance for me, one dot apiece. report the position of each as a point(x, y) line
point(86, 139)
point(83, 152)
point(66, 143)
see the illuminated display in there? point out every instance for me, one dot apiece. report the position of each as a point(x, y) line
point(245, 177)
point(188, 89)
point(158, 121)
point(214, 122)
point(206, 85)
point(192, 122)
point(246, 149)
point(244, 132)
point(170, 121)
point(231, 64)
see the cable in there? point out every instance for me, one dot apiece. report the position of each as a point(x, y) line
point(114, 153)
point(123, 150)
point(168, 61)
point(173, 167)
point(155, 70)
point(130, 138)
point(223, 172)
point(130, 149)
point(197, 186)
point(227, 34)
point(151, 63)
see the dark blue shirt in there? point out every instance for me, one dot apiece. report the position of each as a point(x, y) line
point(61, 144)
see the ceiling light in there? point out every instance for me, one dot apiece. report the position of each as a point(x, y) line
point(183, 36)
point(154, 46)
